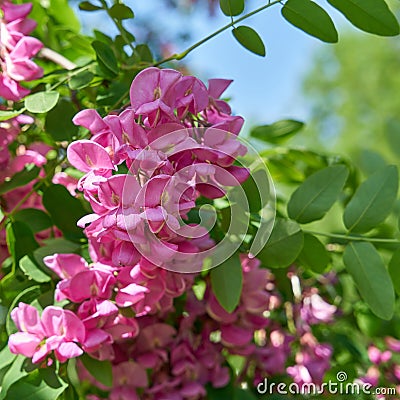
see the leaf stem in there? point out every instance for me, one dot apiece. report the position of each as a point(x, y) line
point(353, 238)
point(182, 55)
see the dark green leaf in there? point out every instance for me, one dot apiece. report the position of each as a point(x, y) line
point(310, 18)
point(394, 270)
point(32, 270)
point(52, 246)
point(314, 254)
point(317, 194)
point(258, 190)
point(59, 121)
point(372, 16)
point(277, 132)
point(101, 370)
point(105, 56)
point(371, 277)
point(243, 394)
point(283, 246)
point(36, 219)
point(81, 80)
point(373, 201)
point(6, 115)
point(120, 12)
point(249, 39)
point(231, 7)
point(88, 6)
point(144, 52)
point(56, 200)
point(20, 240)
point(226, 281)
point(41, 102)
point(21, 178)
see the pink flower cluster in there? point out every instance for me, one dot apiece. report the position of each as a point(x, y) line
point(16, 50)
point(176, 141)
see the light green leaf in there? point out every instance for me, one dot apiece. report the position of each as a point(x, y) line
point(283, 246)
point(249, 39)
point(6, 115)
point(226, 281)
point(310, 18)
point(32, 270)
point(373, 200)
point(21, 178)
point(277, 132)
point(6, 357)
point(14, 373)
point(317, 194)
point(371, 278)
point(231, 7)
point(373, 16)
point(101, 370)
point(41, 102)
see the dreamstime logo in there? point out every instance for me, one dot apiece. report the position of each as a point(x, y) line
point(339, 387)
point(169, 172)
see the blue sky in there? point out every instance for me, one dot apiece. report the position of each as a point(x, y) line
point(264, 89)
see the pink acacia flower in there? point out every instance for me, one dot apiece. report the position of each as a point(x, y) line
point(315, 310)
point(17, 50)
point(56, 330)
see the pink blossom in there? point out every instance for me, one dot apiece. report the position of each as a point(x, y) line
point(56, 330)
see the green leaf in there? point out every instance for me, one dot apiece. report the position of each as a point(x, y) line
point(314, 254)
point(36, 219)
point(249, 39)
point(277, 132)
point(101, 370)
point(88, 6)
point(37, 388)
point(81, 80)
point(317, 194)
point(41, 102)
point(144, 52)
point(26, 296)
point(14, 373)
point(59, 121)
point(120, 12)
point(6, 115)
point(310, 18)
point(21, 178)
point(231, 7)
point(6, 357)
point(53, 246)
point(226, 282)
point(56, 200)
point(373, 200)
point(243, 394)
point(32, 270)
point(283, 246)
point(371, 278)
point(105, 56)
point(394, 270)
point(258, 190)
point(20, 240)
point(373, 16)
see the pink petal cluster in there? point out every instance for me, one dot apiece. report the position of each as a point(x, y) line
point(55, 330)
point(16, 50)
point(178, 141)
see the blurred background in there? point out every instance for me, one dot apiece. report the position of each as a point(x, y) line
point(348, 99)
